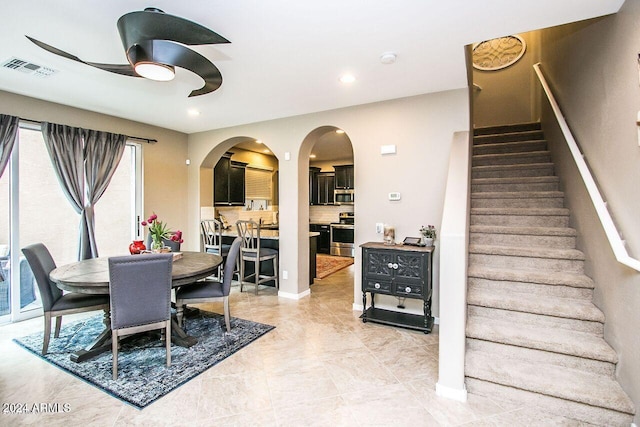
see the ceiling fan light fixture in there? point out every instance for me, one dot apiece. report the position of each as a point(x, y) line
point(155, 71)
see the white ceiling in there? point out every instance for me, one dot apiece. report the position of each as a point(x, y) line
point(285, 56)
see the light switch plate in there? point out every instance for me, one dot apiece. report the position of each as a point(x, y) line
point(379, 227)
point(394, 196)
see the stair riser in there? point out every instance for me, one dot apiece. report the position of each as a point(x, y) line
point(580, 411)
point(550, 291)
point(511, 172)
point(510, 159)
point(519, 127)
point(527, 263)
point(521, 220)
point(517, 186)
point(551, 322)
point(539, 202)
point(541, 356)
point(560, 242)
point(512, 147)
point(508, 137)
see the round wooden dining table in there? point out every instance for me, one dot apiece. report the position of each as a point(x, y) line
point(91, 276)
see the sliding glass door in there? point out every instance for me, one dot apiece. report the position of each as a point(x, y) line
point(36, 211)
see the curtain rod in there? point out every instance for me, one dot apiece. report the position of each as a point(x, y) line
point(137, 138)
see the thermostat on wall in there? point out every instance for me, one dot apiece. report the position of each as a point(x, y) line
point(394, 196)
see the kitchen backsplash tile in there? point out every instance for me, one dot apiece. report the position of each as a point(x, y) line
point(326, 214)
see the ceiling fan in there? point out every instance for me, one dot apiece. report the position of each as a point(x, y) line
point(154, 44)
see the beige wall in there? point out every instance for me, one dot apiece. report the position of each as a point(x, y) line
point(508, 95)
point(421, 127)
point(165, 171)
point(592, 67)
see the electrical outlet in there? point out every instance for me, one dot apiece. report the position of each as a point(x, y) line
point(379, 227)
point(285, 274)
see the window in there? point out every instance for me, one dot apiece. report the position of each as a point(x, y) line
point(257, 183)
point(45, 215)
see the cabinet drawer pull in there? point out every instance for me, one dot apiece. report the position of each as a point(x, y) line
point(377, 286)
point(395, 266)
point(407, 290)
point(390, 265)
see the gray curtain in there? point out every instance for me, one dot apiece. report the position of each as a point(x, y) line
point(8, 132)
point(102, 153)
point(69, 148)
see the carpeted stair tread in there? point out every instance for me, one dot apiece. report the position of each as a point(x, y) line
point(591, 389)
point(519, 146)
point(521, 211)
point(510, 128)
point(517, 194)
point(536, 304)
point(519, 166)
point(525, 158)
point(536, 231)
point(531, 252)
point(507, 138)
point(516, 180)
point(563, 341)
point(551, 278)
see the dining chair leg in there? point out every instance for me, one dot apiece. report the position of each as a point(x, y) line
point(56, 334)
point(114, 351)
point(47, 333)
point(227, 315)
point(168, 342)
point(241, 273)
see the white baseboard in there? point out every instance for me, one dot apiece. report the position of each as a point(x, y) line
point(452, 393)
point(289, 295)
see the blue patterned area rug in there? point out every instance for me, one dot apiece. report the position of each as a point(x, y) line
point(142, 373)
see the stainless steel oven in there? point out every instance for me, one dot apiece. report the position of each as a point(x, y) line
point(342, 236)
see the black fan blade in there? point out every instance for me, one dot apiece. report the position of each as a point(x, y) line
point(124, 69)
point(166, 52)
point(153, 24)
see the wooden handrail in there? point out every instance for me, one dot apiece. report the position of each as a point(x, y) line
point(617, 245)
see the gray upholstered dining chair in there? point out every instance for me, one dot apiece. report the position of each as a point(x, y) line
point(140, 294)
point(54, 303)
point(250, 251)
point(210, 290)
point(211, 234)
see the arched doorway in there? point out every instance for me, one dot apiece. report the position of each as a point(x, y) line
point(327, 155)
point(248, 191)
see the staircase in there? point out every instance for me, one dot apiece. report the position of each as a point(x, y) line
point(533, 335)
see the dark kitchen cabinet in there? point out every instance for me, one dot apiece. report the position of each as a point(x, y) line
point(399, 271)
point(321, 186)
point(344, 177)
point(324, 237)
point(228, 182)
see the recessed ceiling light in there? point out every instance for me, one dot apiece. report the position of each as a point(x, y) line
point(312, 156)
point(388, 58)
point(193, 112)
point(347, 78)
point(339, 131)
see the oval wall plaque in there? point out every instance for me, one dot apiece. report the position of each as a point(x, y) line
point(496, 54)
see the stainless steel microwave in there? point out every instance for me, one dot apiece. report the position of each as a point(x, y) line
point(343, 197)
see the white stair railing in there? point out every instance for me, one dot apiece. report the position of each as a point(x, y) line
point(617, 245)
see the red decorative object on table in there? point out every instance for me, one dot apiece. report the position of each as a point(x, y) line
point(136, 247)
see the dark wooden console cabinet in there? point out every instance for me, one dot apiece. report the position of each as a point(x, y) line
point(399, 271)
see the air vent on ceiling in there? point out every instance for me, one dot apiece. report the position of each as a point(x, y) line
point(28, 67)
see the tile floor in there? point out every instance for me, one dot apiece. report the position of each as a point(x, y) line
point(321, 366)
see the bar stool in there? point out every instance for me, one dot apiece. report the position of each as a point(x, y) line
point(211, 233)
point(250, 251)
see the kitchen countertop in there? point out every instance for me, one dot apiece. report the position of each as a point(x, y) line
point(264, 234)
